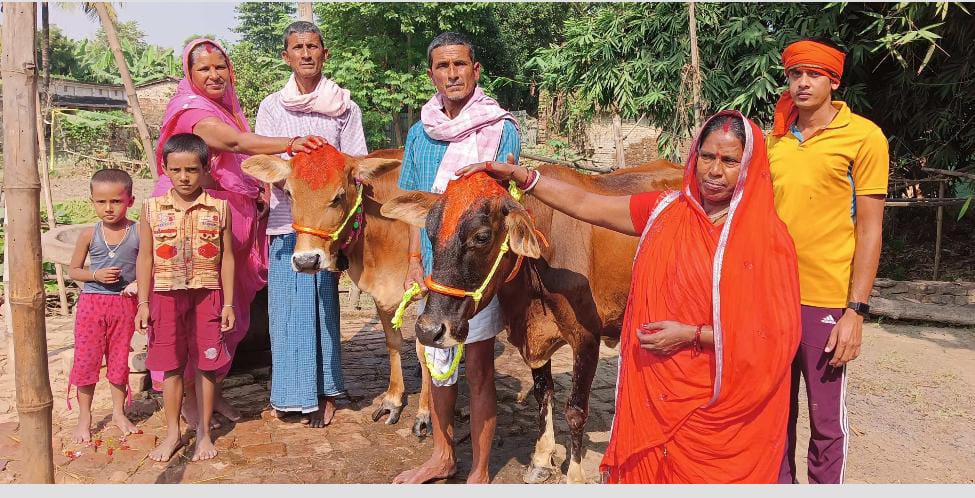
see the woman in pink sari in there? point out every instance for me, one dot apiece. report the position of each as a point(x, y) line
point(206, 104)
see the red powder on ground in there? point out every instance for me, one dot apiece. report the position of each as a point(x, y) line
point(463, 194)
point(318, 167)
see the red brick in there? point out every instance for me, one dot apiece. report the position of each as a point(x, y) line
point(141, 442)
point(89, 463)
point(266, 450)
point(252, 438)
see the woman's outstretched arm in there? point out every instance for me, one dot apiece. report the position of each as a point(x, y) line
point(221, 136)
point(607, 211)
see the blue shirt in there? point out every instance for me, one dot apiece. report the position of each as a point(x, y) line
point(421, 160)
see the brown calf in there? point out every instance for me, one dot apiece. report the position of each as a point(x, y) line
point(573, 291)
point(323, 187)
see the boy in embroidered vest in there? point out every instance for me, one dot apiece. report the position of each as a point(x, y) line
point(829, 170)
point(186, 251)
point(106, 308)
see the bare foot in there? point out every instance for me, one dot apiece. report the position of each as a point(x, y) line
point(321, 417)
point(166, 449)
point(192, 417)
point(478, 478)
point(205, 449)
point(82, 433)
point(223, 407)
point(124, 424)
point(431, 470)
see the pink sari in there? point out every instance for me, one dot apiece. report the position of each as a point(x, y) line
point(185, 110)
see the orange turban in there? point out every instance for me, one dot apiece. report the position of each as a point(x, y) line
point(812, 55)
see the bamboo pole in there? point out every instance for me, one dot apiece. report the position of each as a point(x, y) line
point(938, 231)
point(695, 66)
point(619, 145)
point(22, 193)
point(52, 222)
point(305, 12)
point(123, 69)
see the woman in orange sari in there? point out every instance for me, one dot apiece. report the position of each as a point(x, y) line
point(712, 318)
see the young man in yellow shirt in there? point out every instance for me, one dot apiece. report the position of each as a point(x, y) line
point(829, 170)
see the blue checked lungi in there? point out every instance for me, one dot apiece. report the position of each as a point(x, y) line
point(306, 345)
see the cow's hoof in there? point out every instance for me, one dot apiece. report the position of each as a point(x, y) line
point(537, 475)
point(387, 408)
point(422, 426)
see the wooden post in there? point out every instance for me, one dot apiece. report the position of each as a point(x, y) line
point(22, 195)
point(940, 223)
point(695, 67)
point(618, 144)
point(52, 222)
point(305, 12)
point(123, 69)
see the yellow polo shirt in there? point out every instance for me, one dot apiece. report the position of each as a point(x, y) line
point(816, 182)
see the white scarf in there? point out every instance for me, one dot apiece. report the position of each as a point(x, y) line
point(328, 98)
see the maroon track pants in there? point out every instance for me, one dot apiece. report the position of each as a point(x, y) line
point(826, 396)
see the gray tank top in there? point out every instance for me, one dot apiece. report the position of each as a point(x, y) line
point(104, 256)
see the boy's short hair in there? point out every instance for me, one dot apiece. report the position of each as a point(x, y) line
point(112, 175)
point(186, 142)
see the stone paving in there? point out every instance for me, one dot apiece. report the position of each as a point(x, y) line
point(262, 449)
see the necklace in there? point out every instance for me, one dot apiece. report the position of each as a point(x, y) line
point(112, 250)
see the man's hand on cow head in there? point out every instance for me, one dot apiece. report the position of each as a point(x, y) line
point(498, 170)
point(268, 169)
point(411, 207)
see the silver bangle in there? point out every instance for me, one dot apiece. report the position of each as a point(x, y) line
point(229, 306)
point(538, 176)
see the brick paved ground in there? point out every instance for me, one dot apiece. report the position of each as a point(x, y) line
point(910, 403)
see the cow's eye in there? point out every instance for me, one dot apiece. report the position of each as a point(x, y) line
point(338, 199)
point(482, 238)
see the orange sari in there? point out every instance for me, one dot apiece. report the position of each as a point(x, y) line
point(719, 416)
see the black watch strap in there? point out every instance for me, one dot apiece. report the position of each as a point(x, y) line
point(862, 309)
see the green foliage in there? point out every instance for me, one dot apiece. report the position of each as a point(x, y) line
point(90, 131)
point(909, 66)
point(263, 23)
point(93, 60)
point(258, 74)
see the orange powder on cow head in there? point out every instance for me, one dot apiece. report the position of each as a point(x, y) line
point(463, 194)
point(318, 167)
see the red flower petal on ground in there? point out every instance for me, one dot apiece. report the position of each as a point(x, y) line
point(208, 250)
point(166, 251)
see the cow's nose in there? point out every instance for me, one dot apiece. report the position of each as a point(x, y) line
point(430, 332)
point(306, 261)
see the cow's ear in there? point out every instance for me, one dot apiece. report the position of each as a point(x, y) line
point(522, 237)
point(367, 168)
point(268, 169)
point(411, 207)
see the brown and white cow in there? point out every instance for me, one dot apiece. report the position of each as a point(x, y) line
point(323, 186)
point(572, 291)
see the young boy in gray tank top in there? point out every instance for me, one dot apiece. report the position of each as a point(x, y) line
point(105, 311)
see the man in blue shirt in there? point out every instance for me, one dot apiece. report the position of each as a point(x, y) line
point(459, 126)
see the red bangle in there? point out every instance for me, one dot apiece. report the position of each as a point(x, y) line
point(528, 179)
point(291, 143)
point(697, 340)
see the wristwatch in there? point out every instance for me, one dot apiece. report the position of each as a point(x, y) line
point(862, 309)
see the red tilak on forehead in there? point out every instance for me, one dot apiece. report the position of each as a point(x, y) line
point(727, 126)
point(319, 167)
point(463, 194)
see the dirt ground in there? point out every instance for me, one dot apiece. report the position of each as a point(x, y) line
point(910, 408)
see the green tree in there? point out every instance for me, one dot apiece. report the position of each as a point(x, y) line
point(909, 67)
point(263, 23)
